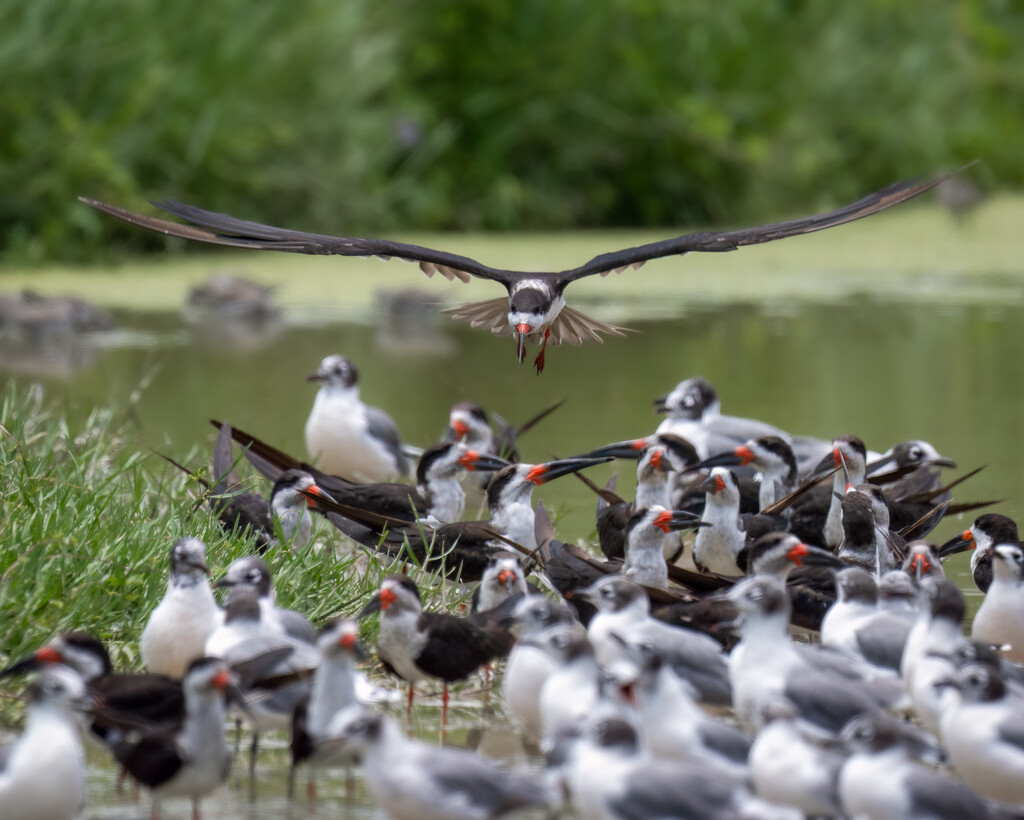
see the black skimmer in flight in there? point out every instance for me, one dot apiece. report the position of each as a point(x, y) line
point(535, 307)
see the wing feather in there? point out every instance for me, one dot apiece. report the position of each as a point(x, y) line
point(731, 240)
point(491, 314)
point(223, 229)
point(572, 325)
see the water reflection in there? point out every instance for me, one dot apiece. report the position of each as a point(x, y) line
point(949, 374)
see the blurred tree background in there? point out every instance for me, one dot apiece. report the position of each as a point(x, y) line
point(356, 116)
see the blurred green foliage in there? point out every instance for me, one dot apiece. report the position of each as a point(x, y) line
point(377, 115)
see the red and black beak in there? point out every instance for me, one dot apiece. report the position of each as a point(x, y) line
point(456, 431)
point(632, 449)
point(740, 457)
point(713, 484)
point(676, 520)
point(39, 659)
point(522, 331)
point(958, 543)
point(801, 554)
point(829, 464)
point(314, 492)
point(508, 578)
point(543, 473)
point(475, 460)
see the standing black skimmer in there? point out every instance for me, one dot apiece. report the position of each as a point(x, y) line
point(42, 773)
point(983, 733)
point(150, 697)
point(468, 423)
point(346, 437)
point(239, 510)
point(176, 632)
point(882, 778)
point(186, 759)
point(437, 494)
point(503, 579)
point(772, 457)
point(983, 535)
point(726, 532)
point(1000, 618)
point(645, 533)
point(922, 561)
point(677, 456)
point(867, 541)
point(417, 645)
point(535, 307)
point(252, 571)
point(465, 548)
point(806, 571)
point(411, 780)
point(909, 468)
point(695, 414)
point(850, 456)
point(337, 685)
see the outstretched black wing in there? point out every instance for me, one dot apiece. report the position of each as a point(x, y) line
point(222, 229)
point(619, 261)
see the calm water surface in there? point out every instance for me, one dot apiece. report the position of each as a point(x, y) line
point(951, 373)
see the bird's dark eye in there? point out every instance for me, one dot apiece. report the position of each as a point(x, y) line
point(254, 576)
point(915, 453)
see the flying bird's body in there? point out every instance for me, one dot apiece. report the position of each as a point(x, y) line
point(535, 307)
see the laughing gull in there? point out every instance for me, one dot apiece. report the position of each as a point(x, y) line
point(411, 780)
point(528, 665)
point(179, 626)
point(881, 780)
point(42, 774)
point(624, 615)
point(346, 437)
point(983, 732)
point(610, 778)
point(789, 768)
point(1000, 618)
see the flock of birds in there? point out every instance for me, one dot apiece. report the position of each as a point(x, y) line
point(661, 680)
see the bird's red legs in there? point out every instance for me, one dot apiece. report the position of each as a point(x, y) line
point(539, 361)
